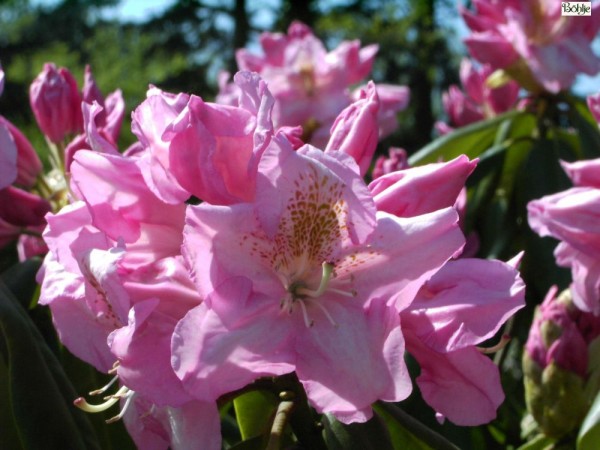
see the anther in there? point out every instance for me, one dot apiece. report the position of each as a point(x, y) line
point(103, 389)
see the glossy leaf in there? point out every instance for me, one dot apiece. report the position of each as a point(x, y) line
point(589, 433)
point(371, 435)
point(254, 411)
point(471, 140)
point(40, 394)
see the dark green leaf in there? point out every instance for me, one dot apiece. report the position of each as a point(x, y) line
point(40, 394)
point(356, 436)
point(589, 134)
point(589, 433)
point(471, 140)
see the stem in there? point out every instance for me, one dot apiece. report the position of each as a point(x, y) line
point(284, 411)
point(424, 433)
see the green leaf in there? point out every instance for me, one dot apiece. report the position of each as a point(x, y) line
point(40, 394)
point(471, 140)
point(254, 411)
point(589, 134)
point(540, 442)
point(401, 438)
point(371, 435)
point(589, 433)
point(20, 280)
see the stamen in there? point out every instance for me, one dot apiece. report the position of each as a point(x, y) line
point(322, 308)
point(504, 340)
point(82, 403)
point(325, 277)
point(351, 293)
point(308, 322)
point(105, 388)
point(114, 368)
point(128, 396)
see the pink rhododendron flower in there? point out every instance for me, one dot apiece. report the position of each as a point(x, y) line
point(311, 85)
point(461, 306)
point(538, 46)
point(478, 101)
point(308, 278)
point(572, 217)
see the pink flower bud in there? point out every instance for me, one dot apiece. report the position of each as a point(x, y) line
point(56, 103)
point(556, 363)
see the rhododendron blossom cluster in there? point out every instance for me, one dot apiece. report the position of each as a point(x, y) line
point(533, 41)
point(256, 260)
point(289, 263)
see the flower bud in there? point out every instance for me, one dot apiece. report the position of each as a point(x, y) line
point(556, 364)
point(56, 103)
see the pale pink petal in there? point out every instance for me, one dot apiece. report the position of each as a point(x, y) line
point(465, 303)
point(583, 173)
point(422, 189)
point(214, 355)
point(193, 426)
point(355, 130)
point(462, 386)
point(120, 203)
point(346, 368)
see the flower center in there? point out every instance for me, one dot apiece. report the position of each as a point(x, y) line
point(298, 293)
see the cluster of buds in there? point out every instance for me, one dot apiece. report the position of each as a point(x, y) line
point(561, 379)
point(480, 99)
point(27, 192)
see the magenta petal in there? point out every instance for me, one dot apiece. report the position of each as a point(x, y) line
point(8, 157)
point(346, 368)
point(463, 386)
point(22, 208)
